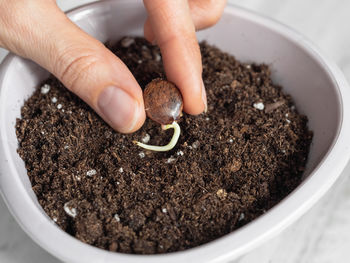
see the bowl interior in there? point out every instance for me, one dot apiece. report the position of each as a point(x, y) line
point(293, 66)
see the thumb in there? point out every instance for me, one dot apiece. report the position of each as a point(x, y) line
point(83, 64)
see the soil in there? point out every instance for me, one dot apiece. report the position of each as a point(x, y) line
point(230, 165)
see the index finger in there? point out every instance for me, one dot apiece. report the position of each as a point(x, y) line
point(175, 34)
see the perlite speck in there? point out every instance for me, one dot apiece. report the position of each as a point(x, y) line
point(45, 89)
point(91, 172)
point(117, 218)
point(146, 138)
point(71, 211)
point(259, 106)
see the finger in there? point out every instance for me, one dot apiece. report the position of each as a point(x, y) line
point(81, 62)
point(204, 13)
point(175, 34)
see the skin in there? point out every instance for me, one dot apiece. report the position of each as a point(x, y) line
point(40, 31)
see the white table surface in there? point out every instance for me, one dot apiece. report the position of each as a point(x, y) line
point(320, 236)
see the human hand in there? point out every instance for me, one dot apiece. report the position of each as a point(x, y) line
point(172, 25)
point(40, 31)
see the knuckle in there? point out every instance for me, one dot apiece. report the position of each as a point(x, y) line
point(210, 10)
point(213, 19)
point(73, 69)
point(214, 11)
point(179, 35)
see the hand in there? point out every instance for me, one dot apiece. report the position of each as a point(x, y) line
point(40, 31)
point(171, 24)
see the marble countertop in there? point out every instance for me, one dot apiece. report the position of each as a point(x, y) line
point(321, 235)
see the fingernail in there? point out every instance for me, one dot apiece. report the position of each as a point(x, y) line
point(119, 108)
point(204, 98)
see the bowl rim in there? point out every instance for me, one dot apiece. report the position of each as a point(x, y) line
point(39, 228)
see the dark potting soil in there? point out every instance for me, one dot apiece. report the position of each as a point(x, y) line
point(229, 166)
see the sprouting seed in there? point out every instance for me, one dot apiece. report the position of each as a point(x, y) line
point(163, 101)
point(163, 104)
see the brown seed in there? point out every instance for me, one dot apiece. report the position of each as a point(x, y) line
point(163, 101)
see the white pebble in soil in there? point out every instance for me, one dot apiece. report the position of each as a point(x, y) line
point(59, 106)
point(142, 154)
point(146, 138)
point(164, 210)
point(196, 144)
point(180, 153)
point(230, 141)
point(157, 57)
point(54, 219)
point(66, 147)
point(117, 218)
point(45, 89)
point(54, 100)
point(170, 160)
point(70, 211)
point(288, 121)
point(241, 217)
point(127, 42)
point(91, 172)
point(259, 106)
point(121, 169)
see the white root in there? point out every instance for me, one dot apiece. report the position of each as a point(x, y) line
point(167, 147)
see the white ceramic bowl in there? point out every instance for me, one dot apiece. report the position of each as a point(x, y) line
point(319, 89)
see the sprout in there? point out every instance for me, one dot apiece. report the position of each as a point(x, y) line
point(163, 104)
point(167, 147)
